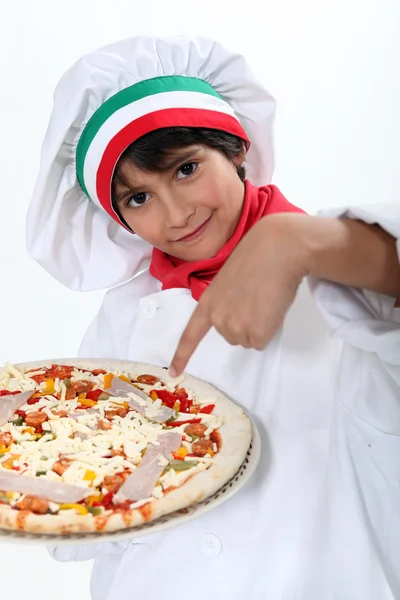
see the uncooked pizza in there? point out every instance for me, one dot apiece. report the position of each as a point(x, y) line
point(85, 449)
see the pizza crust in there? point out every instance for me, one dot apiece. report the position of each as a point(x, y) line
point(236, 439)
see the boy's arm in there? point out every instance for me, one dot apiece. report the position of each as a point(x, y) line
point(351, 253)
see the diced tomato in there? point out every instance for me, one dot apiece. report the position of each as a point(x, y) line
point(207, 409)
point(95, 503)
point(147, 379)
point(216, 438)
point(178, 423)
point(7, 393)
point(97, 372)
point(94, 394)
point(20, 413)
point(60, 371)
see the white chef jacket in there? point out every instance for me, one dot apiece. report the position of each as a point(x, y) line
point(320, 518)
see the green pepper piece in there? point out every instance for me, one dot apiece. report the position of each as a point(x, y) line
point(67, 382)
point(194, 437)
point(104, 396)
point(38, 473)
point(181, 465)
point(18, 421)
point(94, 510)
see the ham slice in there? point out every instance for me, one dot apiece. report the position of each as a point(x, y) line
point(141, 483)
point(139, 401)
point(63, 493)
point(9, 404)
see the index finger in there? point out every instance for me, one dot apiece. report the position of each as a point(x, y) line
point(199, 324)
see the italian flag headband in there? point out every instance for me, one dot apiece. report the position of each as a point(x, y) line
point(170, 101)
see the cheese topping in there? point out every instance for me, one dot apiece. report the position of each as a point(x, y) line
point(92, 441)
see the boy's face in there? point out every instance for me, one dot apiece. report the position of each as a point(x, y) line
point(189, 211)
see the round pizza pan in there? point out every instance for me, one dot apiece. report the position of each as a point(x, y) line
point(167, 521)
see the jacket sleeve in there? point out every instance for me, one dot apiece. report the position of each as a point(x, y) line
point(74, 552)
point(369, 326)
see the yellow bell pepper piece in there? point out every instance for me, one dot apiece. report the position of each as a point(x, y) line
point(4, 449)
point(50, 389)
point(123, 378)
point(124, 404)
point(210, 452)
point(89, 475)
point(182, 452)
point(153, 395)
point(91, 499)
point(9, 463)
point(86, 402)
point(29, 430)
point(177, 406)
point(107, 380)
point(38, 395)
point(78, 507)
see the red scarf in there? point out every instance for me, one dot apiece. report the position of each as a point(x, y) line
point(196, 276)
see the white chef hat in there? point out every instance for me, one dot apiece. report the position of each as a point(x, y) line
point(106, 101)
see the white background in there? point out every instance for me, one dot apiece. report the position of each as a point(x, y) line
point(334, 67)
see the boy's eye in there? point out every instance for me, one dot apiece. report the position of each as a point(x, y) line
point(185, 170)
point(138, 199)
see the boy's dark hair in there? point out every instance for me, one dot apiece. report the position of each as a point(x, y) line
point(151, 152)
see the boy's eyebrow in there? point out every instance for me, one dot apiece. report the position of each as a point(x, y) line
point(179, 158)
point(168, 166)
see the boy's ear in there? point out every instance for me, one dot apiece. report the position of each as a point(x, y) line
point(239, 159)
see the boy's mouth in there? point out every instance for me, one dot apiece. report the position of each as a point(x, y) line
point(196, 233)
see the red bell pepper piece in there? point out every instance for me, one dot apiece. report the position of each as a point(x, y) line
point(166, 397)
point(20, 413)
point(107, 500)
point(185, 405)
point(94, 394)
point(169, 399)
point(33, 400)
point(207, 409)
point(178, 423)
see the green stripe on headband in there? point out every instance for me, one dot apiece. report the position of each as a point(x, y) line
point(149, 87)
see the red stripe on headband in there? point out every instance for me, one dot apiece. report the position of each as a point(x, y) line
point(170, 117)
